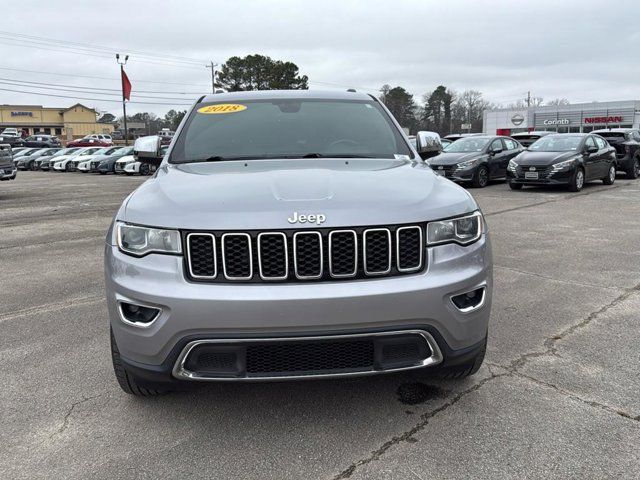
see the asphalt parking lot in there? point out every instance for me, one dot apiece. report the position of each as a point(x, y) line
point(557, 396)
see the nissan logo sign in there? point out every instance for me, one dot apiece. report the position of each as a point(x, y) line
point(560, 121)
point(517, 119)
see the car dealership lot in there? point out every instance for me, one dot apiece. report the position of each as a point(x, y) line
point(557, 395)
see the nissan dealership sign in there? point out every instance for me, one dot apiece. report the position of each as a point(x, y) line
point(558, 121)
point(613, 119)
point(517, 119)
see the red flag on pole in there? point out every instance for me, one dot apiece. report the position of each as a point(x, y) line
point(126, 86)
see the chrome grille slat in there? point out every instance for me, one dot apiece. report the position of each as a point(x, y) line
point(304, 255)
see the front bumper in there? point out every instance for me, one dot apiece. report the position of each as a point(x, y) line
point(559, 178)
point(199, 311)
point(8, 173)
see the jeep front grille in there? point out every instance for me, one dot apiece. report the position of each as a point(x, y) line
point(304, 255)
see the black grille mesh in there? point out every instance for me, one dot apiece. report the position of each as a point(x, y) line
point(343, 253)
point(410, 248)
point(273, 255)
point(310, 357)
point(237, 255)
point(308, 258)
point(377, 247)
point(202, 258)
point(387, 251)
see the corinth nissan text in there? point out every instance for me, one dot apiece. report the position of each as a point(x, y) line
point(294, 235)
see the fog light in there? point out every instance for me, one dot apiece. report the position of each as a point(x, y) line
point(469, 301)
point(138, 315)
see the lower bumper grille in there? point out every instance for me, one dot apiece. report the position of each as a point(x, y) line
point(341, 355)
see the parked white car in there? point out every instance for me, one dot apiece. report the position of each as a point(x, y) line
point(62, 165)
point(84, 163)
point(122, 163)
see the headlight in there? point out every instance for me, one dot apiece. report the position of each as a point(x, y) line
point(468, 163)
point(461, 230)
point(565, 164)
point(512, 165)
point(138, 241)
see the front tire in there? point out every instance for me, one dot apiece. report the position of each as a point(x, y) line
point(634, 170)
point(577, 182)
point(611, 176)
point(481, 178)
point(128, 383)
point(515, 186)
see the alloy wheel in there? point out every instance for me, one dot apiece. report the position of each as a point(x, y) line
point(579, 179)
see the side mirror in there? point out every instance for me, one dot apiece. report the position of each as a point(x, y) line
point(428, 144)
point(592, 149)
point(147, 150)
point(495, 150)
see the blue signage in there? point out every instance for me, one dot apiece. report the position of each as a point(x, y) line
point(22, 114)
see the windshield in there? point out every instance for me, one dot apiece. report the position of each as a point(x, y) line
point(124, 151)
point(556, 144)
point(466, 145)
point(289, 128)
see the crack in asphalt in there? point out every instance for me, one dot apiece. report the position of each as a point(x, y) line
point(407, 436)
point(511, 370)
point(546, 277)
point(51, 307)
point(95, 236)
point(67, 416)
point(554, 200)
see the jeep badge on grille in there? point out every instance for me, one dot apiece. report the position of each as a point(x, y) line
point(318, 219)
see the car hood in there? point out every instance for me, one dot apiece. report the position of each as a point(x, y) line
point(62, 158)
point(543, 158)
point(453, 158)
point(262, 194)
point(125, 159)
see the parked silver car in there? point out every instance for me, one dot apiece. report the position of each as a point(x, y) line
point(289, 235)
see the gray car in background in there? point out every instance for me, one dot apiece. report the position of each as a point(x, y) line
point(293, 235)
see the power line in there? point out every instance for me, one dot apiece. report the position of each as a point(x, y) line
point(86, 49)
point(93, 99)
point(72, 88)
point(137, 80)
point(95, 47)
point(96, 55)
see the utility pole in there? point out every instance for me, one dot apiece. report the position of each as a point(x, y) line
point(124, 105)
point(213, 66)
point(528, 98)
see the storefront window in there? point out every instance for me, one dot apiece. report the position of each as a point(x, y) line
point(563, 129)
point(58, 131)
point(574, 129)
point(587, 129)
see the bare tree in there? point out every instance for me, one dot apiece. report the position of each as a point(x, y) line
point(558, 102)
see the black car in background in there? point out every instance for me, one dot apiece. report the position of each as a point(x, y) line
point(564, 159)
point(42, 141)
point(12, 140)
point(108, 165)
point(452, 137)
point(527, 138)
point(626, 141)
point(476, 159)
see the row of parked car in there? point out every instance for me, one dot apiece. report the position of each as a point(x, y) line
point(538, 158)
point(103, 160)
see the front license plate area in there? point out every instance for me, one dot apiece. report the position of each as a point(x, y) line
point(531, 175)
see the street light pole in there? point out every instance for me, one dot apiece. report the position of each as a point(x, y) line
point(124, 105)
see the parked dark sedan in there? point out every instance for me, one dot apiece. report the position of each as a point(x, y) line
point(42, 141)
point(564, 159)
point(527, 138)
point(452, 137)
point(626, 141)
point(476, 159)
point(27, 162)
point(108, 165)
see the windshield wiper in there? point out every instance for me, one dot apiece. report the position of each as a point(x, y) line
point(219, 158)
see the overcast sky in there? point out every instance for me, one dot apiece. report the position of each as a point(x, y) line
point(583, 50)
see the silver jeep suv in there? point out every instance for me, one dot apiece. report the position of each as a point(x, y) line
point(291, 235)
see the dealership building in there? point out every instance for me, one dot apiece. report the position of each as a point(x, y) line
point(580, 117)
point(67, 123)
